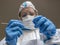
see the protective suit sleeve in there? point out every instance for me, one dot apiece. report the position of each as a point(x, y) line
point(45, 25)
point(13, 31)
point(3, 42)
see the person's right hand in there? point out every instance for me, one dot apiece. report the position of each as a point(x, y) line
point(13, 31)
point(45, 26)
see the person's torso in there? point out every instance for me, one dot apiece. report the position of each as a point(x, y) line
point(30, 38)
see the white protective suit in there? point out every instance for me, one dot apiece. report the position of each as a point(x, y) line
point(32, 38)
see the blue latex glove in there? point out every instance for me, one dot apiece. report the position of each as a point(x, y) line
point(45, 25)
point(13, 31)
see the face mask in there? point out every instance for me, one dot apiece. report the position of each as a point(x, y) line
point(27, 21)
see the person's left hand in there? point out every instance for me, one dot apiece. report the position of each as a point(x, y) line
point(45, 25)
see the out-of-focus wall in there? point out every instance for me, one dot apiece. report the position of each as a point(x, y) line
point(9, 10)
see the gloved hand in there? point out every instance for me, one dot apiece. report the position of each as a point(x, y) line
point(13, 31)
point(45, 25)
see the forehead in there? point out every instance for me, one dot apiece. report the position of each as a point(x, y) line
point(28, 9)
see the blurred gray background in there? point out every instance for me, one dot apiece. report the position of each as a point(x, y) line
point(9, 10)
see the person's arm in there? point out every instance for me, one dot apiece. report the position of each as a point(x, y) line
point(46, 27)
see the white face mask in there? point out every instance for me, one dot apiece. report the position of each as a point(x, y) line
point(27, 21)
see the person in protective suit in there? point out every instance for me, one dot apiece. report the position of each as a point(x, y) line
point(30, 29)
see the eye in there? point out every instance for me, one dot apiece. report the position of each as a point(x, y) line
point(31, 13)
point(25, 14)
